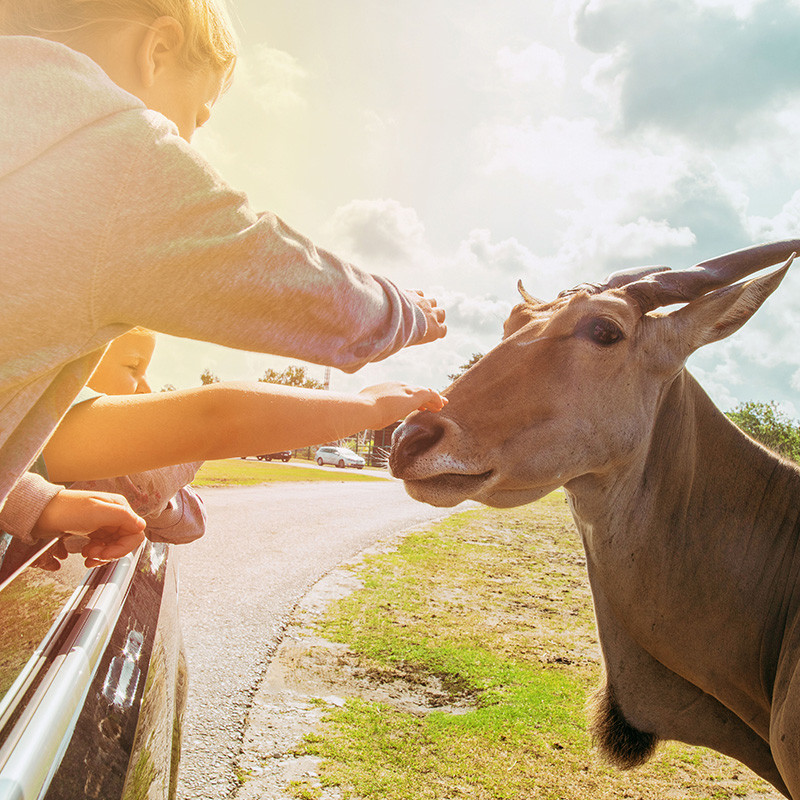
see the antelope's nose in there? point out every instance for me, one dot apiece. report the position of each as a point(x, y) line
point(413, 439)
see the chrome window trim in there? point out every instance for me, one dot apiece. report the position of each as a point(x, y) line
point(38, 737)
point(38, 661)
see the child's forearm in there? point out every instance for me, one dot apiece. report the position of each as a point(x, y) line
point(252, 418)
point(119, 435)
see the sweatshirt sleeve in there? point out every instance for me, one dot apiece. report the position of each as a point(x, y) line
point(186, 255)
point(181, 522)
point(24, 505)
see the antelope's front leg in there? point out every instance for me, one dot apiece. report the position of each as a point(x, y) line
point(784, 729)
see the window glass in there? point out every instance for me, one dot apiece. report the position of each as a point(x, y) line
point(29, 603)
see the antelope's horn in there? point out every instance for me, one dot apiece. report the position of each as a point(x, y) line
point(528, 298)
point(663, 288)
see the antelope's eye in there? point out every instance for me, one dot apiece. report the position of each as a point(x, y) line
point(602, 331)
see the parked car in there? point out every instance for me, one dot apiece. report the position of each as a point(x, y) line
point(284, 455)
point(340, 456)
point(92, 677)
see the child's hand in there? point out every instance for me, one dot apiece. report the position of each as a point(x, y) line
point(434, 317)
point(106, 520)
point(394, 401)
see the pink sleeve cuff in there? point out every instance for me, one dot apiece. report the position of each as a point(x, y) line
point(24, 505)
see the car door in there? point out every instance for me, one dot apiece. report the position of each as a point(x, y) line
point(92, 677)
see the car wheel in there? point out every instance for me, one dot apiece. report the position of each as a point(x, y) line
point(320, 461)
point(340, 464)
point(359, 466)
point(285, 460)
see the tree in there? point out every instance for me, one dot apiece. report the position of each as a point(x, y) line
point(168, 387)
point(291, 376)
point(476, 357)
point(767, 424)
point(208, 377)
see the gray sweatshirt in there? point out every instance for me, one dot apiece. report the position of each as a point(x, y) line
point(108, 219)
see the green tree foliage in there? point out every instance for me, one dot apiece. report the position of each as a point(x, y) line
point(766, 423)
point(291, 376)
point(208, 377)
point(474, 359)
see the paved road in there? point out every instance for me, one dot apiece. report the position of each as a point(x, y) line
point(265, 547)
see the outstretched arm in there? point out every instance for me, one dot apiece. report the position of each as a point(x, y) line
point(119, 435)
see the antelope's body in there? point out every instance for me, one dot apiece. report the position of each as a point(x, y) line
point(691, 529)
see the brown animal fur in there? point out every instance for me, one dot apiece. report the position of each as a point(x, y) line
point(617, 740)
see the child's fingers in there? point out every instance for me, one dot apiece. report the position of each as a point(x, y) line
point(105, 545)
point(110, 513)
point(436, 403)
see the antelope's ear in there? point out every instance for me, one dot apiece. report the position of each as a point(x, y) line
point(720, 313)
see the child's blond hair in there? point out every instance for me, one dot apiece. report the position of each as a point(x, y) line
point(209, 37)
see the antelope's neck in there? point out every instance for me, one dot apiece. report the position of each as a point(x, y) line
point(697, 477)
point(695, 544)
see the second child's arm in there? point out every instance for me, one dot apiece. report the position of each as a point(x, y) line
point(119, 435)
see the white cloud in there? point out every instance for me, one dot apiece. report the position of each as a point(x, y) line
point(508, 258)
point(632, 242)
point(784, 225)
point(479, 317)
point(740, 8)
point(693, 69)
point(273, 78)
point(535, 64)
point(381, 230)
point(576, 155)
point(621, 204)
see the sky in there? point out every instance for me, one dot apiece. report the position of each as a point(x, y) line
point(457, 146)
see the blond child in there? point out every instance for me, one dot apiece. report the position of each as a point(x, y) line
point(173, 511)
point(111, 220)
point(135, 431)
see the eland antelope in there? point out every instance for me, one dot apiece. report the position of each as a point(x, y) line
point(691, 529)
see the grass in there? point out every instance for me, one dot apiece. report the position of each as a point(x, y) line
point(494, 606)
point(238, 472)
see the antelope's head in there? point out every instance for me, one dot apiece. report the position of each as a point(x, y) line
point(574, 385)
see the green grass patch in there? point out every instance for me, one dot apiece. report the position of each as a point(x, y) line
point(238, 472)
point(494, 608)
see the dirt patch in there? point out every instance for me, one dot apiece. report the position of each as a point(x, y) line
point(309, 674)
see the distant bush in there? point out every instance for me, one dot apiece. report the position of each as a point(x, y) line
point(293, 375)
point(767, 424)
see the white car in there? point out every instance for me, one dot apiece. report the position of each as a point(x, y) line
point(340, 456)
